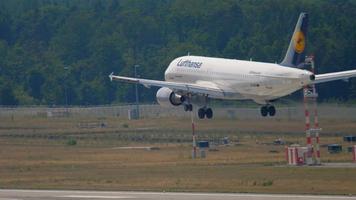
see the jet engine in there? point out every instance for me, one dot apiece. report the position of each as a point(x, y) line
point(166, 97)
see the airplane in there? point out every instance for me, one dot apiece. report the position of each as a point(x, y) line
point(196, 79)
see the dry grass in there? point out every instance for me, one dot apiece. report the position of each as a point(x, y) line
point(31, 158)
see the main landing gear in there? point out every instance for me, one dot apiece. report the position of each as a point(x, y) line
point(268, 110)
point(205, 112)
point(202, 112)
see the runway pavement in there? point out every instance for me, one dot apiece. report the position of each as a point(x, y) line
point(99, 195)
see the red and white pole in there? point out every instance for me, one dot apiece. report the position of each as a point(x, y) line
point(316, 118)
point(316, 127)
point(306, 111)
point(309, 159)
point(194, 151)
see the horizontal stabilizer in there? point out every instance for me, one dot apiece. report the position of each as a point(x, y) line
point(344, 75)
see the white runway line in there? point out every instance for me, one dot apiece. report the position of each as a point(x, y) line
point(73, 194)
point(96, 197)
point(255, 195)
point(9, 199)
point(284, 196)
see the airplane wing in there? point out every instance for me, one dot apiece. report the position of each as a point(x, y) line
point(345, 75)
point(182, 87)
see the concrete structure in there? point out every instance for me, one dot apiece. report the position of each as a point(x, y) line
point(291, 155)
point(296, 155)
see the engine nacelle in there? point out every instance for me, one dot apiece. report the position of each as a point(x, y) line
point(166, 97)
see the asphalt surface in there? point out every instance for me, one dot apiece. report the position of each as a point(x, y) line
point(99, 195)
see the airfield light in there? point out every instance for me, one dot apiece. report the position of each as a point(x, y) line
point(66, 68)
point(136, 91)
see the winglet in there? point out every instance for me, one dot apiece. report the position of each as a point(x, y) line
point(111, 76)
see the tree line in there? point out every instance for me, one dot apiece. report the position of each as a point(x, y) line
point(57, 52)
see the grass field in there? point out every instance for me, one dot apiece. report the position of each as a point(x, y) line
point(36, 153)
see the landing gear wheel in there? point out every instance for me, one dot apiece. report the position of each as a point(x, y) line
point(209, 113)
point(271, 111)
point(205, 112)
point(201, 113)
point(264, 111)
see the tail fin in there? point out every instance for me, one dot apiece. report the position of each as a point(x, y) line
point(295, 55)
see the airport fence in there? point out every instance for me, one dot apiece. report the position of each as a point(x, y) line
point(326, 111)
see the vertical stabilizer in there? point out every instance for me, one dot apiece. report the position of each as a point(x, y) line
point(295, 55)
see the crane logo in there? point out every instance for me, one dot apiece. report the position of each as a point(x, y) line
point(299, 42)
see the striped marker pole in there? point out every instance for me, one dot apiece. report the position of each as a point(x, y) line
point(316, 127)
point(194, 151)
point(306, 112)
point(317, 147)
point(316, 119)
point(354, 153)
point(309, 158)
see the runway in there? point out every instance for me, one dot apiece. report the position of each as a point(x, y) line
point(99, 195)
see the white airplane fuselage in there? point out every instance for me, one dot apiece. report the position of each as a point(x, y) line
point(195, 79)
point(239, 79)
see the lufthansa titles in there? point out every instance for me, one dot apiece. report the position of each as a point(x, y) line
point(189, 63)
